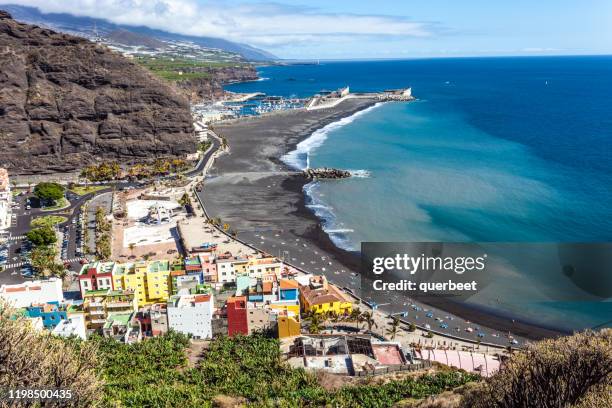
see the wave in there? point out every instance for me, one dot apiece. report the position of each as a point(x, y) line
point(299, 158)
point(262, 79)
point(360, 173)
point(337, 233)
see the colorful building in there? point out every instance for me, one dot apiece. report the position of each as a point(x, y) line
point(153, 319)
point(122, 327)
point(96, 276)
point(191, 314)
point(257, 267)
point(237, 322)
point(288, 326)
point(320, 296)
point(99, 304)
point(50, 313)
point(150, 281)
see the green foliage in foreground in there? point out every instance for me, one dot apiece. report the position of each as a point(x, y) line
point(154, 373)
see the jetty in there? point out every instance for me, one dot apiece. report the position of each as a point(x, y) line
point(330, 99)
point(325, 173)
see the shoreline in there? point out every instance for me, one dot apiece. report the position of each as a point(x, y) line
point(275, 216)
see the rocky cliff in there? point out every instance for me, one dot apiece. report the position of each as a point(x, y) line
point(211, 87)
point(66, 102)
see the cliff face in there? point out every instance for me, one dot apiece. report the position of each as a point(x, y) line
point(201, 89)
point(66, 102)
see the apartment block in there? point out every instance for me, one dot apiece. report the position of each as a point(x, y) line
point(99, 304)
point(191, 314)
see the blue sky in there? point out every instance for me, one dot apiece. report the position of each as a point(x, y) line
point(374, 28)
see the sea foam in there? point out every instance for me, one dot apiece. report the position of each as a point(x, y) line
point(299, 158)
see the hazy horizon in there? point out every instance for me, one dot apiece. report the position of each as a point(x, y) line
point(363, 30)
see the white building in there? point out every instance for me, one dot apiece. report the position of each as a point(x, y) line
point(27, 293)
point(5, 200)
point(191, 314)
point(226, 272)
point(72, 326)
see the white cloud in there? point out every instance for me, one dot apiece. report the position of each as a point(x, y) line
point(267, 25)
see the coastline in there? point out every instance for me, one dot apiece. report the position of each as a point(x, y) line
point(260, 195)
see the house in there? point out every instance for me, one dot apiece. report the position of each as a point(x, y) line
point(153, 319)
point(27, 293)
point(320, 296)
point(288, 326)
point(289, 289)
point(229, 267)
point(50, 313)
point(346, 354)
point(237, 322)
point(6, 199)
point(96, 276)
point(209, 268)
point(122, 327)
point(257, 267)
point(191, 314)
point(98, 305)
point(71, 326)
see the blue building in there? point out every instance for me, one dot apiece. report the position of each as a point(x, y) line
point(51, 313)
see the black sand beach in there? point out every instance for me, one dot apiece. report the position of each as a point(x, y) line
point(253, 191)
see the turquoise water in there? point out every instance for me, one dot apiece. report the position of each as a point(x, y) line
point(507, 149)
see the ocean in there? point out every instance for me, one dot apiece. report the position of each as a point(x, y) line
point(493, 150)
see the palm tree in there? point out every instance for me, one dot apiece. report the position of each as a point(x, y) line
point(355, 316)
point(131, 246)
point(315, 322)
point(394, 327)
point(368, 318)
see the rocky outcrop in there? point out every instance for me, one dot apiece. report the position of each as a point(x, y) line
point(326, 173)
point(66, 102)
point(211, 87)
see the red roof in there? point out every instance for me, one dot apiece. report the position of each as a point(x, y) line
point(201, 298)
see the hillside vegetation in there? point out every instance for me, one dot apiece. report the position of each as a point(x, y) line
point(572, 371)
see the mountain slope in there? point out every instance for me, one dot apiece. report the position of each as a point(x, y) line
point(87, 25)
point(66, 102)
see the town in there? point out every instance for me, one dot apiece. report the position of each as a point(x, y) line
point(136, 257)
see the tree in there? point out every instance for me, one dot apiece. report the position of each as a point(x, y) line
point(368, 318)
point(315, 322)
point(42, 236)
point(567, 371)
point(412, 327)
point(392, 331)
point(43, 361)
point(185, 200)
point(355, 316)
point(131, 246)
point(49, 192)
point(43, 260)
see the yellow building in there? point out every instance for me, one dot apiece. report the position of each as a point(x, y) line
point(150, 281)
point(320, 296)
point(99, 304)
point(288, 326)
